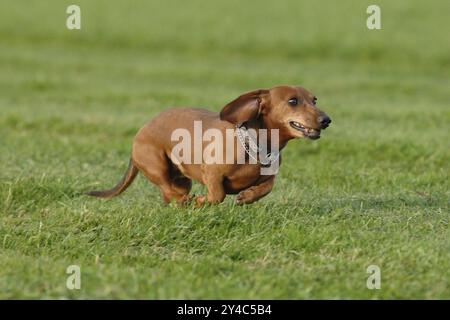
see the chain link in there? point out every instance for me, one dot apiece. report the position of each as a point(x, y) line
point(272, 157)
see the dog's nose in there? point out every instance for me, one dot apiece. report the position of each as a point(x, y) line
point(324, 121)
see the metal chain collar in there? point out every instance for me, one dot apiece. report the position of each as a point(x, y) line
point(242, 134)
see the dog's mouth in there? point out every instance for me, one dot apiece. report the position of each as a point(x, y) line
point(307, 132)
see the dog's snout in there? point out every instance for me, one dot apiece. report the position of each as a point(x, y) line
point(324, 121)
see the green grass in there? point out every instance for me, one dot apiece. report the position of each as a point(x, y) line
point(373, 190)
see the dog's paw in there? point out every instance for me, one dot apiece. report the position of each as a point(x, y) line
point(185, 200)
point(246, 196)
point(199, 201)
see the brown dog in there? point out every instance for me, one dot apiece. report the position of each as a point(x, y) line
point(291, 110)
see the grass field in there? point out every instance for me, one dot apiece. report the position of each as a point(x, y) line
point(373, 191)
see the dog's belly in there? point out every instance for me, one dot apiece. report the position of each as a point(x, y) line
point(243, 178)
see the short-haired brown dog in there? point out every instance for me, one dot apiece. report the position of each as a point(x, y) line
point(291, 110)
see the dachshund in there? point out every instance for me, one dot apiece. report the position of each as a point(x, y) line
point(289, 110)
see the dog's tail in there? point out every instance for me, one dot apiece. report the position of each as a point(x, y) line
point(121, 186)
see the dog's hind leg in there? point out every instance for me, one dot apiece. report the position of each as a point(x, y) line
point(157, 168)
point(181, 186)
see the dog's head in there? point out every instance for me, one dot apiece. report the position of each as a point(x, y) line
point(292, 110)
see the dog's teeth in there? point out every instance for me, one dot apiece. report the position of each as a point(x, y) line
point(298, 125)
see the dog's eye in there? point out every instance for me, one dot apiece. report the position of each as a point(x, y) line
point(293, 102)
point(314, 101)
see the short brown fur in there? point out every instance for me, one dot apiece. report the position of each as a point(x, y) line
point(260, 109)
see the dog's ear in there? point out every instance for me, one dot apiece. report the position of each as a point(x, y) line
point(244, 108)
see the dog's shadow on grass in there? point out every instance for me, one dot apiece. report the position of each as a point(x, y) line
point(43, 193)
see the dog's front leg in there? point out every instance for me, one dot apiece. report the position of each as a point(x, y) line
point(214, 184)
point(254, 193)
